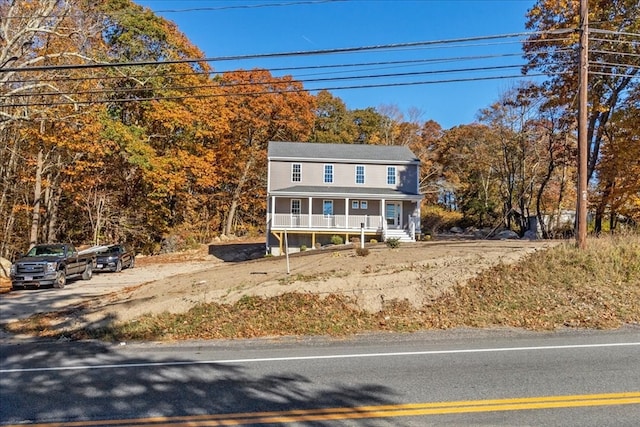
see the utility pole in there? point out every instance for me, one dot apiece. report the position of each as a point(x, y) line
point(583, 148)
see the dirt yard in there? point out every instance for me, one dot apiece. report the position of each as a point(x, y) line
point(223, 273)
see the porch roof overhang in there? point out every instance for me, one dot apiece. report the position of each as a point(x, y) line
point(300, 191)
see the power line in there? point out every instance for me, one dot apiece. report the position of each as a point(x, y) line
point(613, 33)
point(602, 73)
point(266, 83)
point(248, 6)
point(335, 88)
point(277, 69)
point(269, 55)
point(608, 52)
point(199, 9)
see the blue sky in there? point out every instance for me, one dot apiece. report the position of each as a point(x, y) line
point(224, 28)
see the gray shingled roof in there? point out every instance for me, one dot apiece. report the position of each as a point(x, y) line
point(325, 151)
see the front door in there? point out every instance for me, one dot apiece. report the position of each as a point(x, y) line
point(393, 214)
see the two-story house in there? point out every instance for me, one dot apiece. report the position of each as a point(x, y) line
point(317, 190)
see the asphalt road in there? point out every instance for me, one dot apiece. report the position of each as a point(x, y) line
point(461, 377)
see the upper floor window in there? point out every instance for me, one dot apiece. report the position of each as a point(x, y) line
point(359, 174)
point(391, 175)
point(296, 172)
point(328, 174)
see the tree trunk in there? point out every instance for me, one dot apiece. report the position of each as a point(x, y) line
point(8, 230)
point(53, 214)
point(98, 223)
point(543, 185)
point(9, 184)
point(236, 195)
point(600, 209)
point(52, 200)
point(37, 195)
point(7, 171)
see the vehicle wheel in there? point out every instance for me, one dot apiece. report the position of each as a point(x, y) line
point(61, 280)
point(88, 272)
point(118, 266)
point(132, 263)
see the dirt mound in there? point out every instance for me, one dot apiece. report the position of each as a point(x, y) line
point(416, 272)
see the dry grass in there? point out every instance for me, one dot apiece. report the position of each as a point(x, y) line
point(596, 288)
point(561, 287)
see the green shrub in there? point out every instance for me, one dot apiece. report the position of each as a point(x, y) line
point(337, 240)
point(393, 242)
point(373, 241)
point(303, 248)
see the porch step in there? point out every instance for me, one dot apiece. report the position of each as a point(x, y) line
point(402, 235)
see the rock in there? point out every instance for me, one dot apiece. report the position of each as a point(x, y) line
point(507, 234)
point(456, 230)
point(5, 265)
point(530, 235)
point(481, 234)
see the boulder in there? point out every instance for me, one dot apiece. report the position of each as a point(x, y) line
point(507, 234)
point(5, 265)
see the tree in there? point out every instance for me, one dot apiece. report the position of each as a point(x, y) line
point(122, 152)
point(167, 121)
point(620, 170)
point(332, 120)
point(425, 146)
point(368, 123)
point(468, 181)
point(37, 103)
point(613, 58)
point(262, 108)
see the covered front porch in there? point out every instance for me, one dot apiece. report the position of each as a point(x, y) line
point(312, 221)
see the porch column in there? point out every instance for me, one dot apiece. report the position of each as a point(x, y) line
point(346, 212)
point(310, 207)
point(383, 207)
point(273, 209)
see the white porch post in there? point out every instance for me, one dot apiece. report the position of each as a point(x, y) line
point(383, 203)
point(273, 208)
point(346, 212)
point(309, 214)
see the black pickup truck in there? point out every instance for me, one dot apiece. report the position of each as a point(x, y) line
point(51, 264)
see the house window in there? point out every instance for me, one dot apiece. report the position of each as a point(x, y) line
point(328, 174)
point(296, 172)
point(327, 207)
point(355, 204)
point(391, 175)
point(359, 174)
point(295, 207)
point(363, 204)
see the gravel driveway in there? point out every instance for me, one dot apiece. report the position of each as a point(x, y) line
point(21, 304)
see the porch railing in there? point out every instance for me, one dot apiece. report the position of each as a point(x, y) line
point(342, 222)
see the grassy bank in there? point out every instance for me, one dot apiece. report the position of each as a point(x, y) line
point(560, 287)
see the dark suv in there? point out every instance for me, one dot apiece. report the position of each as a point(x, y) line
point(114, 258)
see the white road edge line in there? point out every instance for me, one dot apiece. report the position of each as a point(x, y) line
point(333, 356)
